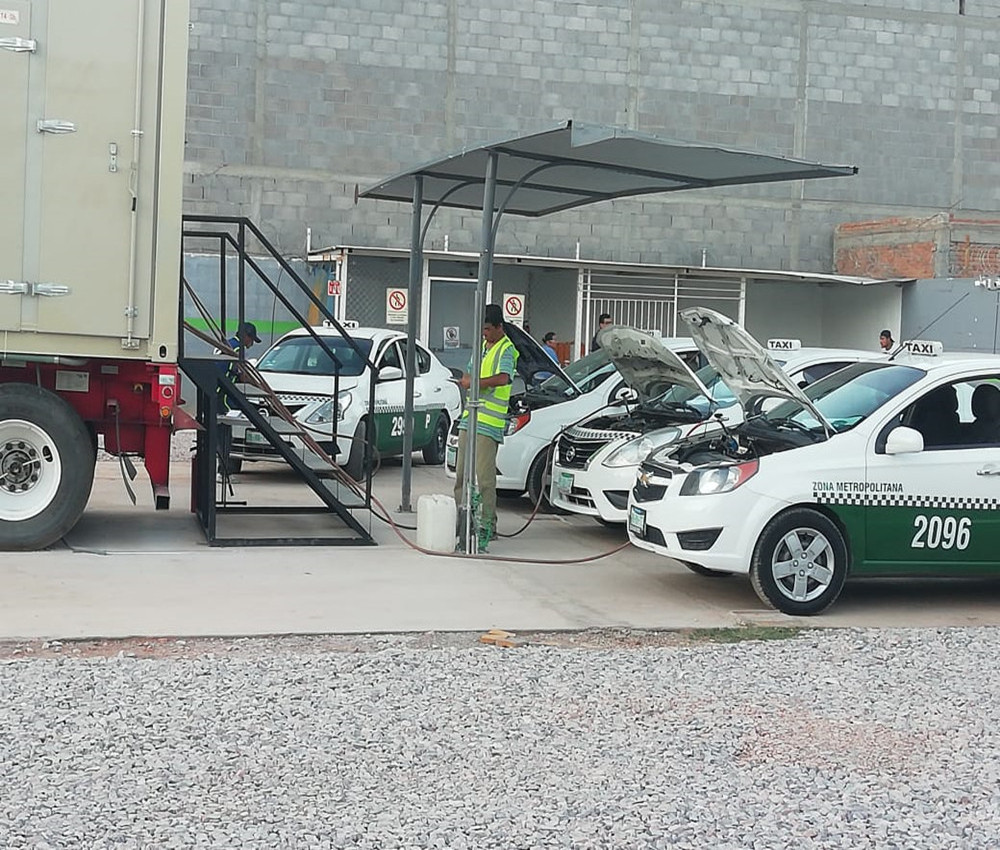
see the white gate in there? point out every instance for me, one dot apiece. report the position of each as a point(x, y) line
point(650, 300)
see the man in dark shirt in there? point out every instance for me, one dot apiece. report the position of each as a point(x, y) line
point(603, 321)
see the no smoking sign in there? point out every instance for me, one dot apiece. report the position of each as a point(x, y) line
point(513, 308)
point(395, 307)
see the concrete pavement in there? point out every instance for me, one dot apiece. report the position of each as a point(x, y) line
point(127, 571)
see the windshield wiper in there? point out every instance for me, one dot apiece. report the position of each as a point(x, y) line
point(791, 425)
point(676, 406)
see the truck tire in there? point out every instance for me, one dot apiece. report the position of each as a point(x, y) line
point(46, 467)
point(435, 449)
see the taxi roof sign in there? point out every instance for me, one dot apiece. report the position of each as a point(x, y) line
point(784, 344)
point(923, 347)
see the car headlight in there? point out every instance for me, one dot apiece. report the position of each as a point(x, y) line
point(323, 414)
point(635, 450)
point(718, 479)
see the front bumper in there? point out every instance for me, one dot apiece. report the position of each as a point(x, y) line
point(718, 532)
point(599, 491)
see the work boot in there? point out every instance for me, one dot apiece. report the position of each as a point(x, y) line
point(486, 534)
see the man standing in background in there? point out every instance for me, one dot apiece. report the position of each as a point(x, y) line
point(603, 321)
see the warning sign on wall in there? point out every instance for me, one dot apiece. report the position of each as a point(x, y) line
point(452, 336)
point(395, 307)
point(513, 308)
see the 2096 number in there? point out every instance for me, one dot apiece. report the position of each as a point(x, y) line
point(941, 532)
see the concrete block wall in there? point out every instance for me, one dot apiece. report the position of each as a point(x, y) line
point(293, 103)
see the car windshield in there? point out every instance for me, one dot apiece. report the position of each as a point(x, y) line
point(302, 355)
point(587, 373)
point(846, 397)
point(680, 394)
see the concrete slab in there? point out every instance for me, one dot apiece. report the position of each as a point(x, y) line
point(129, 570)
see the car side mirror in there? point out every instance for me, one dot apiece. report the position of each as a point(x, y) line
point(626, 395)
point(903, 440)
point(390, 373)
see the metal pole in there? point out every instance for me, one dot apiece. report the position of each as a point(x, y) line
point(485, 264)
point(412, 317)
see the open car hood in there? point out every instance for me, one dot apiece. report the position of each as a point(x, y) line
point(744, 365)
point(646, 364)
point(531, 357)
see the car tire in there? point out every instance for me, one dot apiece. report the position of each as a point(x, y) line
point(793, 588)
point(539, 481)
point(47, 460)
point(705, 571)
point(434, 451)
point(356, 456)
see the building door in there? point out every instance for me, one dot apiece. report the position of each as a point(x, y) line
point(452, 329)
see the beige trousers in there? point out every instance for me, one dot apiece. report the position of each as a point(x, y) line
point(486, 474)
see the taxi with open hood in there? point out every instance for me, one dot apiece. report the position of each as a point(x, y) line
point(887, 467)
point(595, 461)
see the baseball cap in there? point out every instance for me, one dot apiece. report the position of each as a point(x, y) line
point(249, 329)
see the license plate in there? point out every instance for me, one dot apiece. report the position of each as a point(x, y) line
point(565, 482)
point(255, 437)
point(637, 520)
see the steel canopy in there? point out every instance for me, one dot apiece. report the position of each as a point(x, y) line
point(566, 166)
point(574, 164)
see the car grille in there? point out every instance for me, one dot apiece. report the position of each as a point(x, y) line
point(294, 403)
point(647, 491)
point(578, 445)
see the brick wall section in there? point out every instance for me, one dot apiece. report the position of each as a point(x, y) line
point(293, 103)
point(939, 246)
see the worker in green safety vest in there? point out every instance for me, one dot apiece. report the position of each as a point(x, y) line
point(496, 375)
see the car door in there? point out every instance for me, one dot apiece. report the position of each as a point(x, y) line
point(934, 511)
point(390, 394)
point(429, 398)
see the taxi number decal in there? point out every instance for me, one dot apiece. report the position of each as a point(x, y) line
point(397, 426)
point(941, 533)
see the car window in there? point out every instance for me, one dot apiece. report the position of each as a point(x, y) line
point(302, 355)
point(423, 361)
point(813, 373)
point(849, 395)
point(958, 415)
point(390, 357)
point(587, 373)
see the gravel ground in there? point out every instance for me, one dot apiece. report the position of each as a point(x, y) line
point(823, 739)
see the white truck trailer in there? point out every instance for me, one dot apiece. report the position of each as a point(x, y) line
point(92, 108)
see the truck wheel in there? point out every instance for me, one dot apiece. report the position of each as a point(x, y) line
point(435, 449)
point(800, 563)
point(46, 467)
point(539, 480)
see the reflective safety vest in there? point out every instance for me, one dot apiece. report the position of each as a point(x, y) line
point(493, 410)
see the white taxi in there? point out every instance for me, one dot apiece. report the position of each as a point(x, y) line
point(302, 375)
point(542, 411)
point(595, 462)
point(887, 468)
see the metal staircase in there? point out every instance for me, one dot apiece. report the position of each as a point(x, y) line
point(213, 496)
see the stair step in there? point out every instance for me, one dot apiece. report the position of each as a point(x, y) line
point(251, 391)
point(284, 427)
point(344, 494)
